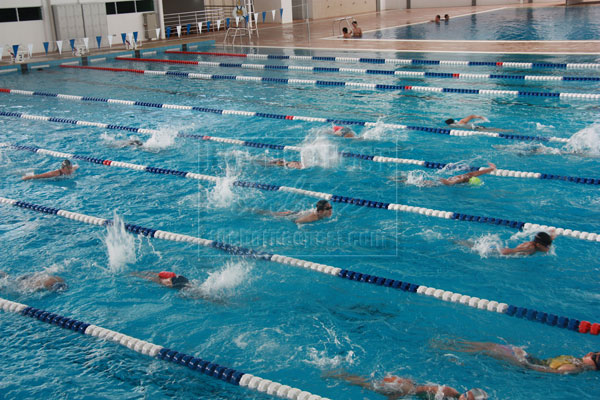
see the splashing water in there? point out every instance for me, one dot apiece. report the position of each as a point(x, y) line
point(419, 178)
point(319, 152)
point(487, 245)
point(322, 361)
point(381, 132)
point(542, 127)
point(161, 140)
point(585, 141)
point(221, 195)
point(120, 245)
point(230, 276)
point(528, 149)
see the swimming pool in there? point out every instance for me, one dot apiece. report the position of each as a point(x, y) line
point(547, 23)
point(285, 323)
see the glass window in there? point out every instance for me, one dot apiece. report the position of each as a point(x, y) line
point(110, 8)
point(144, 5)
point(124, 7)
point(8, 15)
point(30, 13)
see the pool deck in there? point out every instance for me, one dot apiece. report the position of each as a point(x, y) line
point(318, 34)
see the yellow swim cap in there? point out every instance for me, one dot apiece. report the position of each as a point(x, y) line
point(475, 181)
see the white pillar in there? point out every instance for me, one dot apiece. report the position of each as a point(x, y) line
point(161, 18)
point(48, 18)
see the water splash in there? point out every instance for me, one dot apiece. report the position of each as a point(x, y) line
point(528, 149)
point(160, 140)
point(420, 179)
point(321, 360)
point(542, 127)
point(319, 152)
point(120, 245)
point(586, 141)
point(382, 132)
point(487, 245)
point(221, 195)
point(221, 282)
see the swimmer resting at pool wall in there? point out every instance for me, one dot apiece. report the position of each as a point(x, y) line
point(394, 387)
point(564, 364)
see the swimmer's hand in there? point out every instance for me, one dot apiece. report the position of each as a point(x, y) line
point(492, 166)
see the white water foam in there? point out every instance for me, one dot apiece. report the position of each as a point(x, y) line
point(120, 245)
point(160, 140)
point(319, 152)
point(586, 141)
point(221, 282)
point(322, 361)
point(221, 195)
point(487, 245)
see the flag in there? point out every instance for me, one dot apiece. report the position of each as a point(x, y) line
point(188, 28)
point(237, 21)
point(246, 17)
point(59, 45)
point(86, 42)
point(227, 22)
point(168, 32)
point(15, 50)
point(273, 13)
point(72, 43)
point(158, 33)
point(46, 44)
point(256, 18)
point(208, 26)
point(199, 27)
point(264, 15)
point(281, 12)
point(218, 24)
point(130, 39)
point(179, 30)
point(123, 37)
point(135, 36)
point(110, 40)
point(99, 40)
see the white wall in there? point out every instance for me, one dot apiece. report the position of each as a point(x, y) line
point(23, 33)
point(125, 23)
point(439, 3)
point(20, 3)
point(268, 5)
point(392, 4)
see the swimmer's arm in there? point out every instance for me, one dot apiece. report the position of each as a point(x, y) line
point(50, 174)
point(148, 275)
point(541, 368)
point(483, 171)
point(468, 119)
point(524, 248)
point(312, 217)
point(447, 391)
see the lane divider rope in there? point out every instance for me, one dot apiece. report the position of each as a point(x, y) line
point(594, 237)
point(441, 131)
point(403, 73)
point(367, 157)
point(398, 61)
point(200, 365)
point(359, 85)
point(572, 324)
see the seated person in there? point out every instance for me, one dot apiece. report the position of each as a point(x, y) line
point(356, 31)
point(541, 242)
point(394, 387)
point(38, 281)
point(66, 168)
point(346, 34)
point(165, 278)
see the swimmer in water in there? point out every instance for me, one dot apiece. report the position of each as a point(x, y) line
point(66, 168)
point(165, 278)
point(343, 131)
point(38, 281)
point(466, 123)
point(517, 356)
point(321, 211)
point(283, 163)
point(541, 242)
point(394, 387)
point(470, 177)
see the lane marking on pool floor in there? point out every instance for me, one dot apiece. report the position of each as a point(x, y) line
point(402, 73)
point(205, 367)
point(356, 85)
point(358, 156)
point(441, 131)
point(572, 324)
point(589, 236)
point(398, 61)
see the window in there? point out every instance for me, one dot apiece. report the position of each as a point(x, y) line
point(110, 8)
point(30, 13)
point(8, 15)
point(144, 5)
point(124, 7)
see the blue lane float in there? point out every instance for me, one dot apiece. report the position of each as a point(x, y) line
point(533, 315)
point(401, 73)
point(442, 131)
point(357, 85)
point(197, 364)
point(398, 61)
point(594, 237)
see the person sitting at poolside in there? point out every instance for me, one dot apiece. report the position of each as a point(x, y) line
point(343, 131)
point(394, 387)
point(165, 278)
point(322, 210)
point(66, 168)
point(516, 355)
point(283, 163)
point(39, 281)
point(346, 34)
point(356, 31)
point(541, 242)
point(437, 19)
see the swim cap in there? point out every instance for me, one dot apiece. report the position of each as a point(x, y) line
point(449, 121)
point(337, 128)
point(475, 181)
point(543, 238)
point(166, 275)
point(321, 204)
point(66, 164)
point(477, 394)
point(179, 282)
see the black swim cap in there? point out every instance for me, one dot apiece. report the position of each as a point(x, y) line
point(179, 282)
point(449, 121)
point(543, 238)
point(58, 287)
point(321, 204)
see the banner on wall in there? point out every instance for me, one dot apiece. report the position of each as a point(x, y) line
point(256, 18)
point(281, 12)
point(123, 37)
point(135, 36)
point(227, 22)
point(72, 43)
point(46, 44)
point(15, 50)
point(59, 45)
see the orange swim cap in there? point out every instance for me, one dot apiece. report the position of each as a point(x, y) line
point(166, 275)
point(336, 128)
point(390, 379)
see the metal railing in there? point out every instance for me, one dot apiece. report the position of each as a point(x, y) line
point(194, 17)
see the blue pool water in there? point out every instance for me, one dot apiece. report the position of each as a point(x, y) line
point(279, 322)
point(548, 23)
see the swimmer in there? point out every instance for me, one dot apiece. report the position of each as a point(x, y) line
point(286, 164)
point(131, 142)
point(346, 34)
point(165, 278)
point(66, 168)
point(394, 387)
point(321, 211)
point(470, 177)
point(517, 356)
point(356, 31)
point(343, 131)
point(446, 18)
point(38, 281)
point(436, 19)
point(541, 242)
point(466, 123)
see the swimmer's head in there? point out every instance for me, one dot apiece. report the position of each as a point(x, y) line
point(345, 30)
point(449, 121)
point(323, 205)
point(475, 181)
point(543, 238)
point(58, 287)
point(66, 164)
point(179, 282)
point(595, 357)
point(474, 394)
